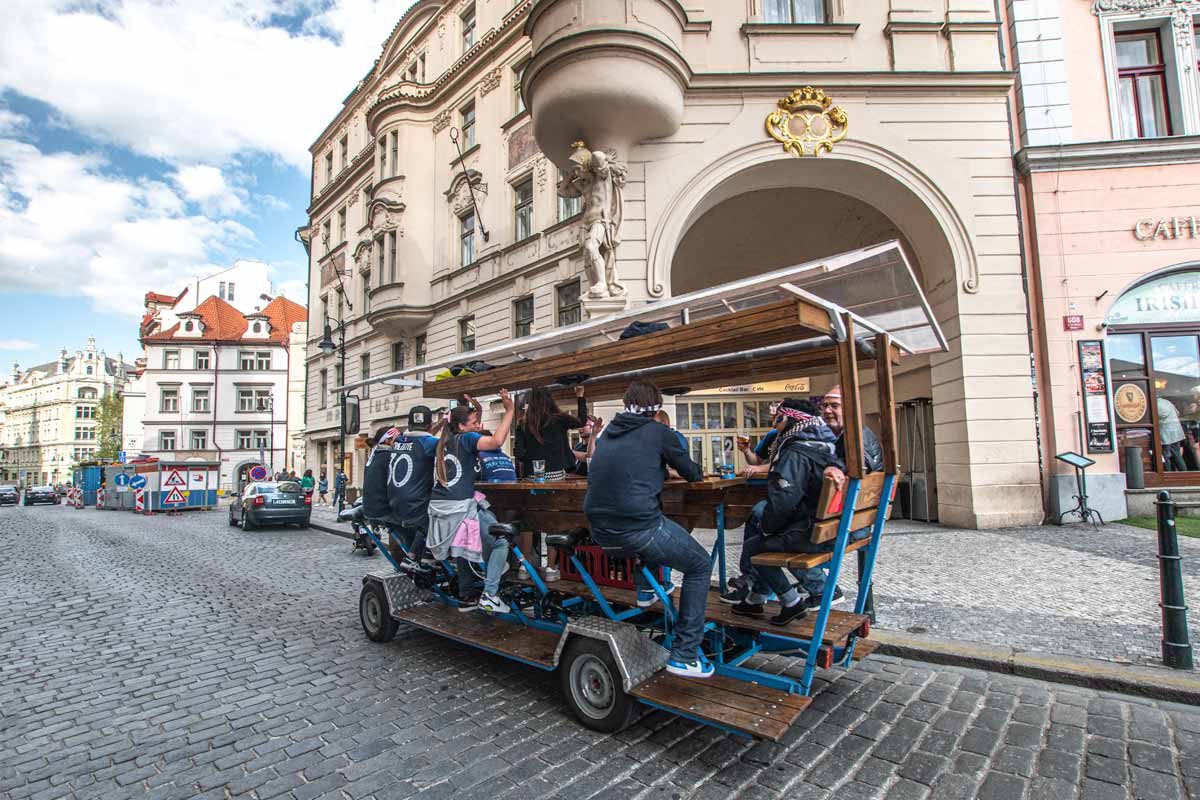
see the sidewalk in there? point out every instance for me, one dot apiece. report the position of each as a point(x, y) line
point(1072, 591)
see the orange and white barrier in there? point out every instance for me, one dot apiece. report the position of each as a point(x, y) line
point(139, 501)
point(100, 498)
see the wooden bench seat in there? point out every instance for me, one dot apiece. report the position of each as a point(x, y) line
point(829, 515)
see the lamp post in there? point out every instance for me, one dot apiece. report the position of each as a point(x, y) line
point(269, 405)
point(328, 347)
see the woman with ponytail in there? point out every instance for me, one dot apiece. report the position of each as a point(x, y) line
point(454, 501)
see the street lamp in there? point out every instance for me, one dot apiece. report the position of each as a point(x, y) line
point(269, 404)
point(327, 346)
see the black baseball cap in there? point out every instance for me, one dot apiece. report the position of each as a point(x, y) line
point(420, 417)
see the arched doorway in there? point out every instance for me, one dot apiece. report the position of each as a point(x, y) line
point(1153, 344)
point(784, 211)
point(241, 474)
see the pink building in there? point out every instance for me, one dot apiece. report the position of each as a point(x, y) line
point(1108, 101)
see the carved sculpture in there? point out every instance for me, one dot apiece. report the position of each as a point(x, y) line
point(599, 178)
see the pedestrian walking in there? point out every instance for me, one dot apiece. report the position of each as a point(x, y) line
point(323, 490)
point(308, 482)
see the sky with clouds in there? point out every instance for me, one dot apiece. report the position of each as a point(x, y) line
point(146, 141)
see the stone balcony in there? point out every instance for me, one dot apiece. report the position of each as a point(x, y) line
point(391, 315)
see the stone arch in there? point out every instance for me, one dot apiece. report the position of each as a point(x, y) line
point(920, 210)
point(238, 471)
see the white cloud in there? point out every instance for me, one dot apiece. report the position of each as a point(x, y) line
point(206, 186)
point(272, 202)
point(11, 122)
point(194, 82)
point(16, 344)
point(66, 228)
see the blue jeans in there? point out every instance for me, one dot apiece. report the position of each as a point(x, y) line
point(669, 545)
point(495, 555)
point(764, 580)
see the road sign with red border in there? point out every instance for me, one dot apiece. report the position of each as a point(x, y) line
point(174, 497)
point(174, 479)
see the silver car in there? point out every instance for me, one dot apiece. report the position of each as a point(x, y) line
point(271, 502)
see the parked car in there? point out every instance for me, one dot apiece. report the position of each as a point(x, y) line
point(62, 490)
point(41, 494)
point(8, 495)
point(271, 502)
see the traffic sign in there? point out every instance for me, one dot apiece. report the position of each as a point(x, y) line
point(174, 497)
point(121, 457)
point(121, 479)
point(258, 473)
point(174, 479)
point(138, 482)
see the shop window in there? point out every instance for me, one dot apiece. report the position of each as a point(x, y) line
point(1143, 109)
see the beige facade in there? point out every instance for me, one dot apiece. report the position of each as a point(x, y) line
point(50, 414)
point(679, 92)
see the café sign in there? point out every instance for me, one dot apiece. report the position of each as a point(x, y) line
point(1166, 229)
point(1171, 298)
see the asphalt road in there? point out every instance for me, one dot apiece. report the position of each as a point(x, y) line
point(178, 657)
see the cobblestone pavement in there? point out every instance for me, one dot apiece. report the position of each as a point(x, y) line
point(1073, 590)
point(177, 657)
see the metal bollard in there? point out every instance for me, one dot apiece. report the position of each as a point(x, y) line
point(1176, 647)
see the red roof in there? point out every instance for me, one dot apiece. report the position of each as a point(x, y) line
point(157, 297)
point(223, 322)
point(283, 314)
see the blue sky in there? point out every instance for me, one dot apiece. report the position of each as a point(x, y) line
point(143, 142)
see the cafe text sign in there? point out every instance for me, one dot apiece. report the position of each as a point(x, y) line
point(1171, 298)
point(1167, 229)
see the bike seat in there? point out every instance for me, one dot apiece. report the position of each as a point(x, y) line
point(504, 530)
point(567, 539)
point(351, 514)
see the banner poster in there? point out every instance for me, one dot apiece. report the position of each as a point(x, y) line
point(1096, 406)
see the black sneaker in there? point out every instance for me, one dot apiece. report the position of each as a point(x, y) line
point(745, 609)
point(735, 595)
point(839, 596)
point(813, 601)
point(469, 604)
point(790, 613)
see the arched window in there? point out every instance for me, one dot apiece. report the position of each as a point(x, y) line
point(258, 327)
point(188, 326)
point(87, 393)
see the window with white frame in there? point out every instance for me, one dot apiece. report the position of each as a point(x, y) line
point(201, 360)
point(166, 440)
point(200, 399)
point(261, 440)
point(199, 440)
point(229, 292)
point(468, 29)
point(523, 316)
point(794, 12)
point(468, 125)
point(85, 412)
point(466, 334)
point(169, 401)
point(244, 439)
point(467, 238)
point(570, 309)
point(262, 360)
point(170, 359)
point(85, 434)
point(523, 209)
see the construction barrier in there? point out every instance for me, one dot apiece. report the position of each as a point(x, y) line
point(100, 498)
point(139, 501)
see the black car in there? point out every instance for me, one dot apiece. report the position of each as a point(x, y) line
point(271, 502)
point(41, 494)
point(8, 495)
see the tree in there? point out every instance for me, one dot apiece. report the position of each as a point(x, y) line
point(109, 419)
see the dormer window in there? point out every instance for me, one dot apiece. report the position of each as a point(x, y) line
point(258, 327)
point(189, 326)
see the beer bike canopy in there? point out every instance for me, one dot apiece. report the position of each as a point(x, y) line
point(779, 323)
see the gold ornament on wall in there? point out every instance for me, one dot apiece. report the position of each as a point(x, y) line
point(807, 123)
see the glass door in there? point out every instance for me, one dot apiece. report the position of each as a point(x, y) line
point(1176, 364)
point(712, 427)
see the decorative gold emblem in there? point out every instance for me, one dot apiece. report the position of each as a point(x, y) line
point(807, 123)
point(1130, 401)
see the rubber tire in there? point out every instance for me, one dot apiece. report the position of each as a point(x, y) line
point(232, 521)
point(247, 525)
point(624, 708)
point(377, 622)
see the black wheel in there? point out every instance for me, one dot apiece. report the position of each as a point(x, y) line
point(247, 525)
point(370, 548)
point(373, 612)
point(591, 684)
point(232, 521)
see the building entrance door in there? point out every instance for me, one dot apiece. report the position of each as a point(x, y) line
point(711, 424)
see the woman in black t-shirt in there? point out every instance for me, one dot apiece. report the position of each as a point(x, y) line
point(544, 434)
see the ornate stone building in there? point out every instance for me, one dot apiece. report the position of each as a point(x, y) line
point(50, 411)
point(506, 168)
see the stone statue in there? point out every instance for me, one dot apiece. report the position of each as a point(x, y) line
point(599, 178)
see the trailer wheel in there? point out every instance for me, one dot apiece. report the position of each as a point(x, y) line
point(592, 686)
point(373, 612)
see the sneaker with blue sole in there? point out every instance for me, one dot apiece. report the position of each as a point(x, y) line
point(690, 669)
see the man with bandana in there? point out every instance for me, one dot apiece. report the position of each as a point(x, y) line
point(800, 454)
point(624, 510)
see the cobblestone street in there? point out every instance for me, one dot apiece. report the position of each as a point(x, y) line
point(177, 657)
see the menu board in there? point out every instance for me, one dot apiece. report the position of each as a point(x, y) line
point(1097, 411)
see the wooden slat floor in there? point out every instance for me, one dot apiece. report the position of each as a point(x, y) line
point(759, 711)
point(483, 630)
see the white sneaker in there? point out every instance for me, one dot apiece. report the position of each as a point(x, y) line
point(522, 574)
point(551, 574)
point(493, 604)
point(690, 669)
